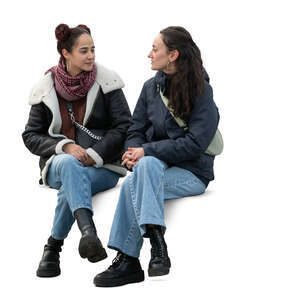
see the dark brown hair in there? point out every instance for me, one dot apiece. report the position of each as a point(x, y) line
point(188, 81)
point(67, 37)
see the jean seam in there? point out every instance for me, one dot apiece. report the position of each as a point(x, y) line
point(161, 182)
point(86, 193)
point(136, 211)
point(130, 234)
point(133, 194)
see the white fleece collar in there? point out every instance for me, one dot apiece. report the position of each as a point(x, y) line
point(44, 92)
point(107, 79)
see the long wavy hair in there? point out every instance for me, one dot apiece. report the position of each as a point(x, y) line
point(188, 81)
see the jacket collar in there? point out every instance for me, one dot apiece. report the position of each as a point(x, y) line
point(162, 80)
point(107, 79)
point(44, 92)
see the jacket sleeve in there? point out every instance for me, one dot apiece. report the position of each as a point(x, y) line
point(202, 126)
point(113, 142)
point(36, 137)
point(136, 134)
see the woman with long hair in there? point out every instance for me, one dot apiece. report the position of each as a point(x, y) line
point(77, 125)
point(174, 122)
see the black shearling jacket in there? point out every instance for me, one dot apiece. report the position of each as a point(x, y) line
point(106, 109)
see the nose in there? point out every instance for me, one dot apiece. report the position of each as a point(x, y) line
point(91, 55)
point(150, 54)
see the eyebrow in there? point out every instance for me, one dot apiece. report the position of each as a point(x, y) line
point(83, 48)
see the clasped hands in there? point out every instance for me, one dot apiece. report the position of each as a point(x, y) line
point(131, 157)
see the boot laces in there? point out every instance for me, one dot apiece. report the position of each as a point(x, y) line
point(117, 260)
point(158, 251)
point(159, 247)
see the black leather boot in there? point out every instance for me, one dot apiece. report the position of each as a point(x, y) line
point(90, 246)
point(160, 262)
point(49, 264)
point(124, 269)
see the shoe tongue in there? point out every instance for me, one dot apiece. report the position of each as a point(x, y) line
point(117, 260)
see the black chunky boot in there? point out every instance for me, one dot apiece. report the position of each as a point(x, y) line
point(49, 264)
point(90, 246)
point(160, 262)
point(124, 269)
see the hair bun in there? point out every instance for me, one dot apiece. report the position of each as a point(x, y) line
point(84, 27)
point(62, 32)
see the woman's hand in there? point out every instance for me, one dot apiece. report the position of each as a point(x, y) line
point(137, 153)
point(89, 162)
point(128, 160)
point(131, 157)
point(78, 152)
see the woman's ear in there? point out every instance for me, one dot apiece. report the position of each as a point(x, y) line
point(173, 55)
point(65, 53)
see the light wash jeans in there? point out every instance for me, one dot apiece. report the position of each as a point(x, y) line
point(76, 184)
point(141, 201)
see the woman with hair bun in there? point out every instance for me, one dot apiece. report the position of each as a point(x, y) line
point(77, 125)
point(174, 122)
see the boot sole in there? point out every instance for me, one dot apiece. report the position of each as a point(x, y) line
point(132, 278)
point(158, 271)
point(102, 255)
point(47, 273)
point(91, 248)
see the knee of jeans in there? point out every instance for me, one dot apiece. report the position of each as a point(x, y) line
point(149, 162)
point(65, 160)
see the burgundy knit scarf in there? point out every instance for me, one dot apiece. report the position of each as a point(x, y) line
point(72, 88)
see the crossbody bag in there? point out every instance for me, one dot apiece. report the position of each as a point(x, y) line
point(214, 148)
point(84, 137)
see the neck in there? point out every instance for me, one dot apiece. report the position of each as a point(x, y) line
point(169, 70)
point(73, 71)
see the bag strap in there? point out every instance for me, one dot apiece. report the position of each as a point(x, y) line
point(179, 121)
point(79, 126)
point(216, 145)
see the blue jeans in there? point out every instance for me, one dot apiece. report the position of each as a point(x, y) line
point(142, 199)
point(76, 184)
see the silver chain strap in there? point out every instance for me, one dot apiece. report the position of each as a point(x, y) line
point(81, 127)
point(93, 136)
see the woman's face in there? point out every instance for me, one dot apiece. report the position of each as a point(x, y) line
point(82, 56)
point(161, 58)
point(159, 54)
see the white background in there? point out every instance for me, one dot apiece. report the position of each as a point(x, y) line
point(238, 241)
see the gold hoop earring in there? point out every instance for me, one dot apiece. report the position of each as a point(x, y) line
point(68, 66)
point(167, 65)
